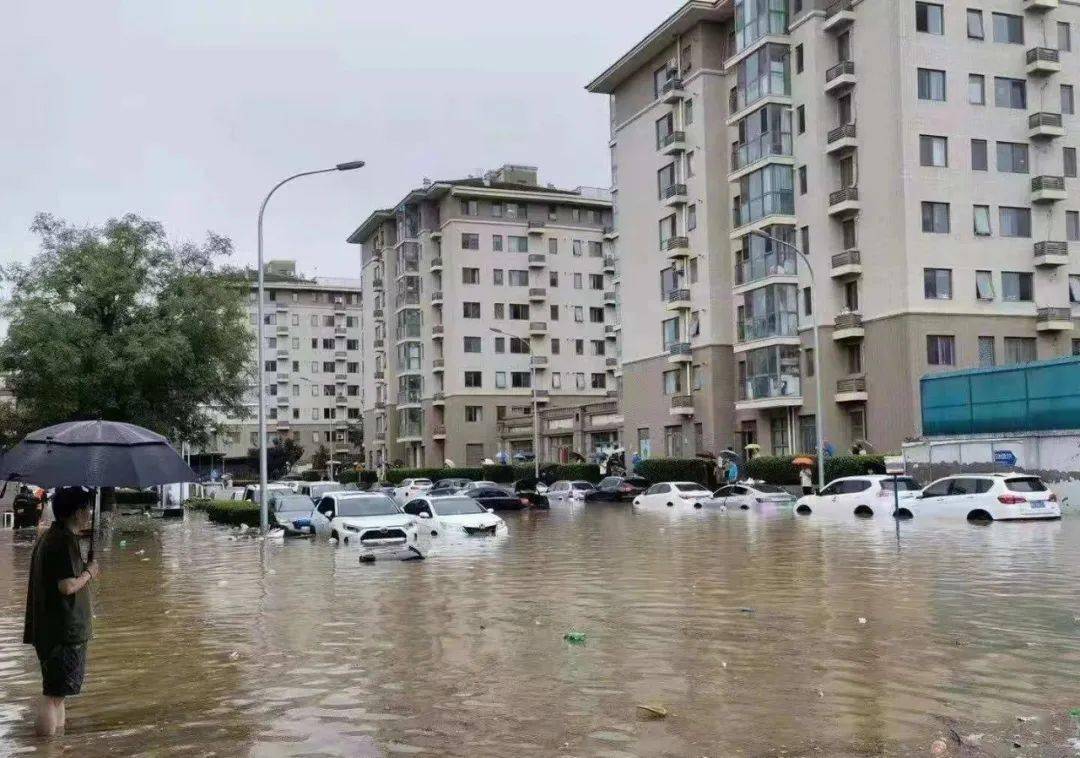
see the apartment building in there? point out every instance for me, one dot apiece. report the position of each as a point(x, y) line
point(483, 298)
point(921, 155)
point(312, 362)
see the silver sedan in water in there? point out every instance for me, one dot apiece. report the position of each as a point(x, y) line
point(743, 496)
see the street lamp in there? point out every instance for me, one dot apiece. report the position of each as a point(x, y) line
point(264, 511)
point(535, 407)
point(818, 417)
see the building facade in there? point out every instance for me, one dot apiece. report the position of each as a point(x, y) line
point(922, 156)
point(312, 362)
point(482, 297)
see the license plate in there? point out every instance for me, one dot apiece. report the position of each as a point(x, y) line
point(1037, 504)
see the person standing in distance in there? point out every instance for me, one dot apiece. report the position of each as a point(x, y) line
point(58, 606)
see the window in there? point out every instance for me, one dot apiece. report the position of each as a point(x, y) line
point(691, 218)
point(802, 180)
point(472, 344)
point(1076, 347)
point(599, 381)
point(669, 332)
point(1064, 35)
point(982, 220)
point(804, 234)
point(470, 208)
point(1019, 350)
point(497, 243)
point(554, 311)
point(518, 244)
point(1010, 93)
point(1014, 222)
point(975, 24)
point(500, 344)
point(473, 413)
point(986, 352)
point(808, 301)
point(672, 382)
point(470, 241)
point(596, 250)
point(693, 270)
point(940, 350)
point(929, 18)
point(931, 84)
point(978, 155)
point(556, 346)
point(1016, 287)
point(808, 362)
point(854, 358)
point(579, 314)
point(935, 218)
point(1067, 105)
point(497, 277)
point(553, 278)
point(1074, 288)
point(976, 89)
point(596, 281)
point(553, 246)
point(937, 283)
point(470, 310)
point(470, 276)
point(1008, 28)
point(800, 118)
point(519, 311)
point(500, 380)
point(689, 166)
point(518, 278)
point(689, 111)
point(520, 379)
point(798, 59)
point(575, 248)
point(473, 379)
point(847, 232)
point(1072, 226)
point(499, 310)
point(933, 151)
point(1012, 157)
point(519, 346)
point(1068, 160)
point(596, 315)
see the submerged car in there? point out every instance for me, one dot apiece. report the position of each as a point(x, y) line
point(410, 488)
point(566, 491)
point(617, 489)
point(532, 490)
point(292, 513)
point(457, 483)
point(455, 514)
point(315, 490)
point(987, 497)
point(868, 495)
point(497, 498)
point(675, 494)
point(364, 520)
point(744, 496)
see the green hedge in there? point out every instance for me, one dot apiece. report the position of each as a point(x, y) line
point(136, 497)
point(233, 512)
point(198, 503)
point(310, 476)
point(500, 474)
point(697, 470)
point(780, 470)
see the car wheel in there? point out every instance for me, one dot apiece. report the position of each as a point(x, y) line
point(864, 511)
point(803, 510)
point(671, 505)
point(744, 507)
point(904, 514)
point(697, 505)
point(334, 535)
point(980, 516)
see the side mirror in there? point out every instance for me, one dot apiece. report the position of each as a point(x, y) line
point(490, 510)
point(424, 514)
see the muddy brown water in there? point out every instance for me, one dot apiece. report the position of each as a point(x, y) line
point(744, 626)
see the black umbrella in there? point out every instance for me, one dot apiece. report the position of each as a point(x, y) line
point(94, 454)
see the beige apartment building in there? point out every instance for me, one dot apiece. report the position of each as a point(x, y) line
point(482, 296)
point(922, 155)
point(312, 361)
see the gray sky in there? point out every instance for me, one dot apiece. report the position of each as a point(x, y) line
point(188, 111)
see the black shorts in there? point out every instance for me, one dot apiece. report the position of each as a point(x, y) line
point(62, 670)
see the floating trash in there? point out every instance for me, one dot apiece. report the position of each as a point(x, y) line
point(575, 638)
point(652, 711)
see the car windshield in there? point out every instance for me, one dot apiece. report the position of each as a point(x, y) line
point(582, 486)
point(421, 482)
point(457, 506)
point(688, 487)
point(770, 489)
point(1026, 484)
point(903, 484)
point(611, 481)
point(292, 504)
point(366, 506)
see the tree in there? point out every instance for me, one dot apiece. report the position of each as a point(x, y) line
point(281, 456)
point(320, 458)
point(115, 322)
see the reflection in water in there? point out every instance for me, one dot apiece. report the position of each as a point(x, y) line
point(746, 626)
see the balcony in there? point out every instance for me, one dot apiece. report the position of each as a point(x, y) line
point(436, 264)
point(380, 405)
point(1039, 6)
point(282, 353)
point(838, 17)
point(761, 269)
point(1043, 61)
point(682, 405)
point(846, 264)
point(672, 143)
point(1043, 125)
point(282, 400)
point(770, 145)
point(281, 425)
point(281, 307)
point(341, 378)
point(1048, 189)
point(1053, 320)
point(538, 361)
point(610, 332)
point(341, 330)
point(340, 355)
point(672, 91)
point(609, 264)
point(341, 400)
point(680, 352)
point(537, 294)
point(438, 432)
point(848, 326)
point(282, 377)
point(610, 233)
point(841, 140)
point(380, 438)
point(677, 300)
point(851, 390)
point(339, 308)
point(840, 77)
point(438, 365)
point(436, 297)
point(378, 343)
point(844, 203)
point(676, 247)
point(1049, 254)
point(609, 298)
point(777, 328)
point(537, 328)
point(537, 260)
point(438, 399)
point(536, 227)
point(674, 194)
point(380, 376)
point(611, 363)
point(377, 284)
point(436, 234)
point(378, 314)
point(541, 396)
point(437, 331)
point(776, 207)
point(283, 330)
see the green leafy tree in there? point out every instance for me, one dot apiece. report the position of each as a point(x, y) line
point(118, 323)
point(320, 458)
point(281, 456)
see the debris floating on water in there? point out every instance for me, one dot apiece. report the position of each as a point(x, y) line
point(862, 619)
point(234, 655)
point(575, 638)
point(746, 610)
point(652, 711)
point(1025, 719)
point(123, 543)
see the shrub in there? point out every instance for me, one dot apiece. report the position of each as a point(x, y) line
point(697, 470)
point(234, 512)
point(348, 476)
point(136, 497)
point(502, 474)
point(198, 503)
point(780, 470)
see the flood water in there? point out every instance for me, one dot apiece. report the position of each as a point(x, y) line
point(744, 626)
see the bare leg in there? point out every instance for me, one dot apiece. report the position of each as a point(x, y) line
point(62, 708)
point(50, 715)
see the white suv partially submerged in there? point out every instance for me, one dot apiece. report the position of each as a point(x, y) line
point(988, 497)
point(365, 520)
point(870, 495)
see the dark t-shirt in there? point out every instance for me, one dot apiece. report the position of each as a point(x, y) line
point(53, 618)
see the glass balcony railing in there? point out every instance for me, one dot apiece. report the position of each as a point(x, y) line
point(780, 202)
point(753, 24)
point(771, 372)
point(767, 145)
point(778, 324)
point(759, 267)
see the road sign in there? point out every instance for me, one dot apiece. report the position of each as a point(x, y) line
point(1005, 457)
point(894, 464)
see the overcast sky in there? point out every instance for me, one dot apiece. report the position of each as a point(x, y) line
point(188, 111)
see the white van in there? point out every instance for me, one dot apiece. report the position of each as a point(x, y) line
point(315, 490)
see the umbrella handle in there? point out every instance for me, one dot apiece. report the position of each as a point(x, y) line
point(94, 524)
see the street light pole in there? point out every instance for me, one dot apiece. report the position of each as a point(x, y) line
point(819, 422)
point(535, 404)
point(264, 511)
